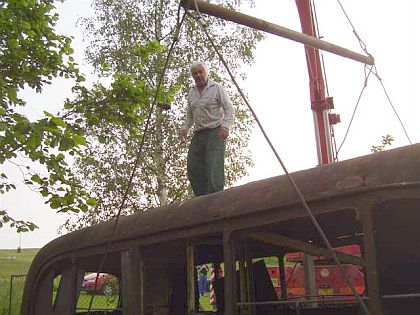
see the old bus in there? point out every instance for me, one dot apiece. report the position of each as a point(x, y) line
point(372, 202)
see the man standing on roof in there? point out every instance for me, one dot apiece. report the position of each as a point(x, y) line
point(211, 112)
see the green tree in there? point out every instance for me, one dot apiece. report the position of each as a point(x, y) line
point(386, 140)
point(112, 118)
point(120, 32)
point(31, 56)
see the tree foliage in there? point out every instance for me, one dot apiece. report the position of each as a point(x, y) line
point(386, 141)
point(112, 118)
point(31, 56)
point(130, 38)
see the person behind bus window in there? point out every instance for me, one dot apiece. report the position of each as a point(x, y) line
point(202, 279)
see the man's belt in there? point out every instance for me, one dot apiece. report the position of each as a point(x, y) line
point(205, 129)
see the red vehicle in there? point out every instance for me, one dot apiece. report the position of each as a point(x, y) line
point(328, 279)
point(106, 284)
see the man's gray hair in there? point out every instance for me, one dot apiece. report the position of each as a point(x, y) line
point(199, 63)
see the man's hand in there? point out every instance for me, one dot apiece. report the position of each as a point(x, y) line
point(223, 132)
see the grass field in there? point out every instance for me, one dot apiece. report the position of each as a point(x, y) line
point(12, 263)
point(18, 265)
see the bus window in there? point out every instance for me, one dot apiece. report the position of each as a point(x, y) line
point(258, 283)
point(206, 276)
point(328, 279)
point(56, 286)
point(165, 278)
point(98, 293)
point(273, 269)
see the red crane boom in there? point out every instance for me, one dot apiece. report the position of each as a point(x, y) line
point(320, 103)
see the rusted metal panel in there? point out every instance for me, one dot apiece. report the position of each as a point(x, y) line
point(250, 279)
point(261, 25)
point(142, 276)
point(309, 273)
point(191, 288)
point(282, 279)
point(131, 280)
point(65, 303)
point(229, 260)
point(375, 301)
point(43, 296)
point(243, 275)
point(381, 176)
point(323, 182)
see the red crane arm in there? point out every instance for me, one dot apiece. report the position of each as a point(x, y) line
point(320, 103)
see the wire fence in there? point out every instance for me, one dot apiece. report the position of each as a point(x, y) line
point(13, 293)
point(104, 298)
point(100, 302)
point(4, 296)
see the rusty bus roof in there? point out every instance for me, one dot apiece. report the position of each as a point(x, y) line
point(372, 172)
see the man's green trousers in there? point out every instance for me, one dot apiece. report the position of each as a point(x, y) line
point(206, 162)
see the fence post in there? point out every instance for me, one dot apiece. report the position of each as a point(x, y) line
point(10, 295)
point(15, 294)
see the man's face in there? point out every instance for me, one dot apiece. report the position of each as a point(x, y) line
point(200, 76)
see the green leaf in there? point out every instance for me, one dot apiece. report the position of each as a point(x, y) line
point(55, 202)
point(48, 114)
point(65, 144)
point(31, 33)
point(101, 139)
point(33, 226)
point(55, 205)
point(80, 78)
point(84, 208)
point(44, 192)
point(91, 201)
point(58, 121)
point(79, 140)
point(12, 94)
point(37, 179)
point(34, 141)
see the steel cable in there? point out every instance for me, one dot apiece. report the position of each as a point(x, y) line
point(392, 105)
point(374, 71)
point(355, 107)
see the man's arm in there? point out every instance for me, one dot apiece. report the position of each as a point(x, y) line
point(228, 110)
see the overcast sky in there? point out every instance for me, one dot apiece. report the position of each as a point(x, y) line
point(277, 87)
